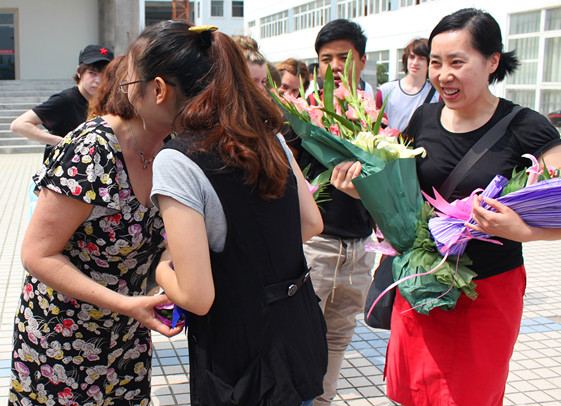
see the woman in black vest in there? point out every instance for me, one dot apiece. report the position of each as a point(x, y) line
point(236, 210)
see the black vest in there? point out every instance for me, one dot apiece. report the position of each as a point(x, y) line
point(248, 350)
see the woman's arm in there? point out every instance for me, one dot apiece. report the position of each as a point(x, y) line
point(310, 217)
point(191, 285)
point(507, 223)
point(54, 221)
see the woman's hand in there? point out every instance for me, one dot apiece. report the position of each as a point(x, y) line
point(141, 308)
point(343, 175)
point(505, 222)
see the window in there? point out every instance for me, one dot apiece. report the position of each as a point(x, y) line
point(7, 46)
point(377, 67)
point(536, 38)
point(275, 24)
point(251, 24)
point(313, 14)
point(352, 8)
point(217, 8)
point(192, 11)
point(237, 8)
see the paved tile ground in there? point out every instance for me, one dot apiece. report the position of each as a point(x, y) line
point(535, 377)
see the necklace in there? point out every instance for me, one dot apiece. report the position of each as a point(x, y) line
point(145, 161)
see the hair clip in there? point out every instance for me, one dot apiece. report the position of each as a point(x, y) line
point(204, 32)
point(202, 28)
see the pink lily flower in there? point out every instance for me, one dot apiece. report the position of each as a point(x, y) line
point(335, 130)
point(341, 92)
point(388, 132)
point(533, 171)
point(316, 115)
point(351, 113)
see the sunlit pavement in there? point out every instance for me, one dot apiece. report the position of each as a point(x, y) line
point(535, 377)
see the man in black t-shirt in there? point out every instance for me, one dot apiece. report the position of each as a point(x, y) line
point(64, 111)
point(340, 265)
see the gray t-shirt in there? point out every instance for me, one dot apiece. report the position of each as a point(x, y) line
point(177, 176)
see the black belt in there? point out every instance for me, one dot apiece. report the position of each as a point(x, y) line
point(285, 289)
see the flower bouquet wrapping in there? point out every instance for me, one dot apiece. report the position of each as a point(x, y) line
point(534, 194)
point(344, 125)
point(430, 266)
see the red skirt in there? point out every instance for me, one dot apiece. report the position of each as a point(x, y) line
point(458, 357)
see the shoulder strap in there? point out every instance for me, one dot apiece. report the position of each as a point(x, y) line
point(475, 153)
point(431, 93)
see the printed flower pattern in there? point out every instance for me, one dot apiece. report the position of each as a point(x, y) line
point(68, 352)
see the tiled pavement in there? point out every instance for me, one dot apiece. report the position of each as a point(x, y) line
point(535, 377)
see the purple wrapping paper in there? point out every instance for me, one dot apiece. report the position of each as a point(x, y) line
point(539, 205)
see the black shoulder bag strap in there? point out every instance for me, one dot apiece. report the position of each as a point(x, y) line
point(432, 91)
point(475, 153)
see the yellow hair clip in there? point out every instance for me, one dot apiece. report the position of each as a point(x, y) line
point(201, 28)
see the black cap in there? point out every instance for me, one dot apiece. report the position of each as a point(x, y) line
point(94, 53)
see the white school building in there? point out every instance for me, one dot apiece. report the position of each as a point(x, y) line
point(288, 28)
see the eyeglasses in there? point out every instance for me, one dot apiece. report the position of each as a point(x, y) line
point(123, 86)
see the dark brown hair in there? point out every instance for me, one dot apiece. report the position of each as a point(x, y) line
point(97, 67)
point(419, 47)
point(219, 104)
point(108, 98)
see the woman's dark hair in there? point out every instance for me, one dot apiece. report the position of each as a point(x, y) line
point(342, 29)
point(218, 104)
point(485, 37)
point(108, 98)
point(296, 68)
point(419, 47)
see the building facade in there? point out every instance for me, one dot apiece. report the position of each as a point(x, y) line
point(42, 39)
point(288, 29)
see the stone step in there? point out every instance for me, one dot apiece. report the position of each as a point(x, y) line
point(12, 112)
point(31, 100)
point(39, 85)
point(16, 105)
point(42, 94)
point(21, 149)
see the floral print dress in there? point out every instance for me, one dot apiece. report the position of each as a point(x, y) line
point(68, 352)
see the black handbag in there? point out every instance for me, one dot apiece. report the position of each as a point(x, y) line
point(380, 317)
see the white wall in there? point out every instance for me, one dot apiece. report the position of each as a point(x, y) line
point(226, 24)
point(51, 34)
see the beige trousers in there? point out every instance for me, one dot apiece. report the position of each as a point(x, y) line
point(341, 272)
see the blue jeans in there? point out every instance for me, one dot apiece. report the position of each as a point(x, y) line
point(308, 403)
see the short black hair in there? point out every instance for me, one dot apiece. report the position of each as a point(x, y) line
point(485, 37)
point(342, 29)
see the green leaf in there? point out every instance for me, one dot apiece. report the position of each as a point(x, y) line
point(380, 116)
point(343, 120)
point(328, 88)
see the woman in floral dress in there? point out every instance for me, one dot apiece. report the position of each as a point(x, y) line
point(82, 328)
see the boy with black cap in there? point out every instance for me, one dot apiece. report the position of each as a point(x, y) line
point(64, 111)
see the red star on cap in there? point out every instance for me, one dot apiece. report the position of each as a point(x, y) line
point(103, 51)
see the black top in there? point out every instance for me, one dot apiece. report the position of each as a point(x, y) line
point(62, 112)
point(247, 351)
point(343, 216)
point(529, 132)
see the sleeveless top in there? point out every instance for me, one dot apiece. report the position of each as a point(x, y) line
point(247, 350)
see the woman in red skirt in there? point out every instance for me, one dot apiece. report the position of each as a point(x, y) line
point(460, 357)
